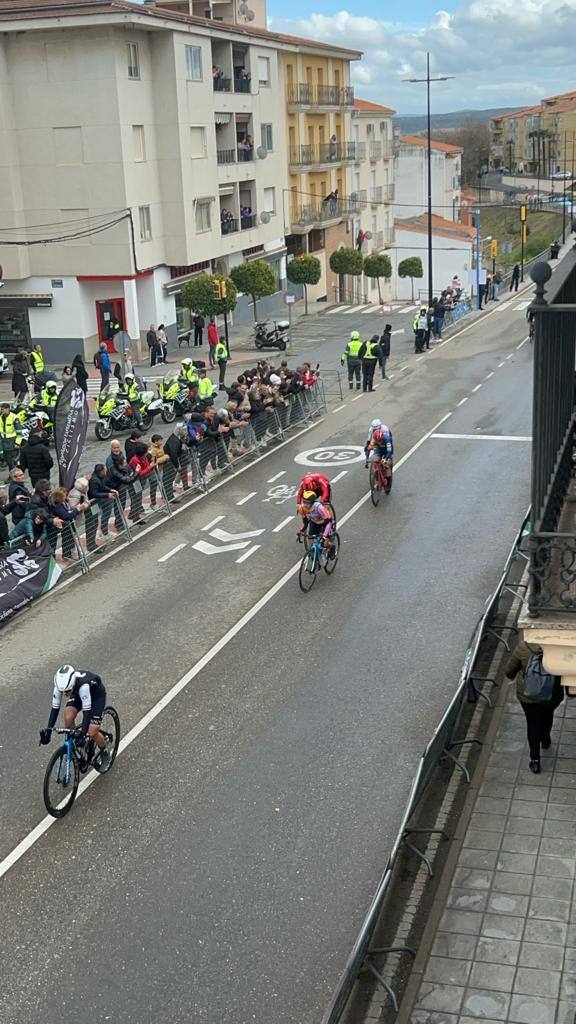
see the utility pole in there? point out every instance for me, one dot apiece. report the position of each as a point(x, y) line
point(478, 257)
point(564, 192)
point(522, 239)
point(428, 80)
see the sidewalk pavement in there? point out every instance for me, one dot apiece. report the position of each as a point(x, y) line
point(500, 943)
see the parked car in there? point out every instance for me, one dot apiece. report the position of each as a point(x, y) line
point(561, 176)
point(3, 363)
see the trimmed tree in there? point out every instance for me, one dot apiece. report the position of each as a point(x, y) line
point(304, 270)
point(346, 261)
point(198, 295)
point(256, 279)
point(376, 266)
point(411, 267)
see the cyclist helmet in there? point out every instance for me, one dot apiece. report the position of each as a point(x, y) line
point(186, 362)
point(378, 435)
point(309, 497)
point(64, 678)
point(375, 423)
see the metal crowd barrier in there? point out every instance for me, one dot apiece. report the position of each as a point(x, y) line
point(444, 744)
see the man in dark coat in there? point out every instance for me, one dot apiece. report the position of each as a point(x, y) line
point(35, 457)
point(384, 345)
point(17, 489)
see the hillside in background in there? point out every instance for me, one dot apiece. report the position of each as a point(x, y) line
point(412, 125)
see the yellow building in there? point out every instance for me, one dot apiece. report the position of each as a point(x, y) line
point(536, 140)
point(321, 150)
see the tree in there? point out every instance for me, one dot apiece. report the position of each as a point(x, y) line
point(198, 295)
point(411, 267)
point(474, 139)
point(347, 261)
point(304, 270)
point(378, 265)
point(256, 279)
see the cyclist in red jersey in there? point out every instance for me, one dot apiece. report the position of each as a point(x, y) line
point(317, 482)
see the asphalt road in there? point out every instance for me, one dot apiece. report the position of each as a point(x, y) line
point(221, 871)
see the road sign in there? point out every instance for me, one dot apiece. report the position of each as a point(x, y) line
point(385, 309)
point(335, 455)
point(289, 299)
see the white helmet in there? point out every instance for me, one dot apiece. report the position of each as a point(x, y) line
point(51, 385)
point(375, 423)
point(129, 376)
point(186, 362)
point(64, 678)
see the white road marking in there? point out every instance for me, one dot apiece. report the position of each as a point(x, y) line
point(213, 522)
point(400, 368)
point(276, 476)
point(501, 364)
point(399, 330)
point(524, 304)
point(371, 309)
point(338, 309)
point(482, 437)
point(48, 821)
point(420, 358)
point(247, 498)
point(227, 538)
point(335, 479)
point(173, 552)
point(206, 548)
point(522, 343)
point(391, 376)
point(488, 375)
point(343, 406)
point(355, 309)
point(462, 401)
point(248, 553)
point(502, 309)
point(282, 524)
point(510, 356)
point(477, 388)
point(376, 386)
point(361, 395)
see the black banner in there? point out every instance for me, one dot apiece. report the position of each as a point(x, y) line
point(25, 573)
point(70, 428)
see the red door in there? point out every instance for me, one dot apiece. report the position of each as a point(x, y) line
point(111, 317)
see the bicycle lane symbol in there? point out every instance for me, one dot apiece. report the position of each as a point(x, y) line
point(281, 493)
point(335, 455)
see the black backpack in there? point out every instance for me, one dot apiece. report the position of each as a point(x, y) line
point(538, 683)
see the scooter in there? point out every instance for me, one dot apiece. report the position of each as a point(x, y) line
point(115, 412)
point(267, 336)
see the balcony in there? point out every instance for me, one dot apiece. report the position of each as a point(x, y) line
point(228, 225)
point(388, 193)
point(242, 83)
point(221, 84)
point(247, 221)
point(245, 153)
point(378, 241)
point(301, 94)
point(326, 153)
point(317, 215)
point(226, 156)
point(375, 150)
point(376, 194)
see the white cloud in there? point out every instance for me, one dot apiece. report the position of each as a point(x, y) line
point(501, 53)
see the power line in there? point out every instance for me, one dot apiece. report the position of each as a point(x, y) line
point(68, 237)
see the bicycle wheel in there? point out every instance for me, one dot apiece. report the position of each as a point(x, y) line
point(374, 485)
point(110, 727)
point(59, 793)
point(307, 572)
point(388, 486)
point(330, 564)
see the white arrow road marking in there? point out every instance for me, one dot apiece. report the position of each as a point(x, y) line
point(227, 538)
point(210, 549)
point(248, 553)
point(213, 522)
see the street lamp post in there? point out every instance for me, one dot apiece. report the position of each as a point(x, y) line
point(428, 80)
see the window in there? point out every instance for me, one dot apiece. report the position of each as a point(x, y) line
point(138, 143)
point(264, 70)
point(193, 63)
point(203, 219)
point(145, 223)
point(133, 60)
point(270, 200)
point(197, 142)
point(267, 137)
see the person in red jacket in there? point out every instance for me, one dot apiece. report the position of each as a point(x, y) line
point(317, 482)
point(213, 339)
point(143, 465)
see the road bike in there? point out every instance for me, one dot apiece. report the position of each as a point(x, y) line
point(318, 557)
point(380, 479)
point(72, 760)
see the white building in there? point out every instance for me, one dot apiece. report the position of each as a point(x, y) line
point(372, 184)
point(411, 176)
point(452, 254)
point(132, 116)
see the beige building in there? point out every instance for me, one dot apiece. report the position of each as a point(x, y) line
point(373, 186)
point(536, 140)
point(143, 145)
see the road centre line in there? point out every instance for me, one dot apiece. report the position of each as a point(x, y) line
point(213, 522)
point(463, 400)
point(48, 821)
point(243, 501)
point(276, 476)
point(488, 375)
point(173, 552)
point(477, 388)
point(283, 524)
point(402, 368)
point(482, 437)
point(510, 356)
point(338, 409)
point(420, 358)
point(361, 395)
point(522, 343)
point(335, 479)
point(501, 364)
point(248, 553)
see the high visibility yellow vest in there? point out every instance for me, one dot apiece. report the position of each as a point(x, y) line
point(220, 352)
point(190, 374)
point(46, 398)
point(37, 361)
point(8, 425)
point(353, 348)
point(133, 393)
point(205, 388)
point(369, 353)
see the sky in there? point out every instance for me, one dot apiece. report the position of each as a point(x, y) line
point(502, 53)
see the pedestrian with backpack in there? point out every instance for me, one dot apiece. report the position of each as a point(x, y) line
point(102, 363)
point(539, 693)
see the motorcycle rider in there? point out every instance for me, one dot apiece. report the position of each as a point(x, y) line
point(351, 356)
point(188, 373)
point(134, 396)
point(47, 398)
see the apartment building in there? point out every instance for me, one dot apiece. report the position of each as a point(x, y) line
point(319, 103)
point(411, 177)
point(141, 145)
point(373, 184)
point(537, 140)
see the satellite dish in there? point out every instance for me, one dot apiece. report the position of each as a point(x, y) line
point(368, 235)
point(261, 152)
point(264, 217)
point(243, 8)
point(250, 16)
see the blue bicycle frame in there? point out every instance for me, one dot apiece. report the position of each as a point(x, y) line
point(69, 744)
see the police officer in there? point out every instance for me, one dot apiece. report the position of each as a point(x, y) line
point(369, 354)
point(205, 387)
point(351, 356)
point(134, 396)
point(47, 398)
point(188, 372)
point(420, 327)
point(221, 357)
point(37, 360)
point(9, 434)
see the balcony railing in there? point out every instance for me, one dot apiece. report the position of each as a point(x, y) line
point(388, 193)
point(305, 95)
point(326, 153)
point(245, 154)
point(229, 226)
point(318, 214)
point(248, 221)
point(241, 84)
point(379, 240)
point(222, 84)
point(226, 156)
point(376, 194)
point(375, 150)
point(360, 198)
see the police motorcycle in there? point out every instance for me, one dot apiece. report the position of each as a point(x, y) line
point(174, 395)
point(271, 334)
point(116, 412)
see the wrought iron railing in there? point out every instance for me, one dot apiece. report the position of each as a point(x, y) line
point(222, 84)
point(228, 226)
point(306, 95)
point(226, 156)
point(326, 152)
point(376, 194)
point(319, 213)
point(375, 150)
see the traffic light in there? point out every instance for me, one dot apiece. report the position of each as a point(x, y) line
point(223, 291)
point(494, 248)
point(522, 213)
point(216, 290)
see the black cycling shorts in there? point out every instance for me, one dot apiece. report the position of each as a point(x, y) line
point(98, 705)
point(316, 529)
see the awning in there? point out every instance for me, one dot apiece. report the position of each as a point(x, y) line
point(226, 190)
point(24, 301)
point(222, 118)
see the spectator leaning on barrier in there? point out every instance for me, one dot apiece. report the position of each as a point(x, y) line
point(18, 493)
point(78, 498)
point(35, 457)
point(174, 447)
point(31, 529)
point(159, 460)
point(60, 507)
point(100, 492)
point(120, 477)
point(142, 466)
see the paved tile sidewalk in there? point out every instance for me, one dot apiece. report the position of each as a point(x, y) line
point(505, 946)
